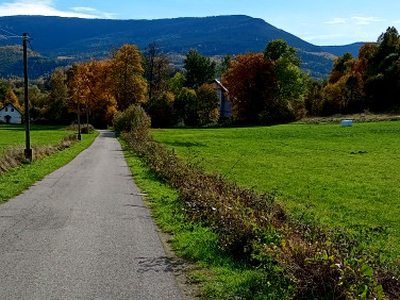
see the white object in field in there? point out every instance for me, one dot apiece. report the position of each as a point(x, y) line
point(347, 123)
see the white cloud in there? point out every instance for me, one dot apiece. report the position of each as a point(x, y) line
point(355, 20)
point(366, 20)
point(84, 9)
point(47, 8)
point(336, 21)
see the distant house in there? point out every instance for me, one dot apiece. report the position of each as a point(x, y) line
point(224, 102)
point(9, 114)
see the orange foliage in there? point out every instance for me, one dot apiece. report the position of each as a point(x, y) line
point(11, 98)
point(91, 90)
point(252, 85)
point(129, 86)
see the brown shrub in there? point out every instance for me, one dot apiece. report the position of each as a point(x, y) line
point(14, 156)
point(85, 128)
point(322, 263)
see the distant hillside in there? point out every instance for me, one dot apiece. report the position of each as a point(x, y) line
point(340, 50)
point(212, 36)
point(11, 62)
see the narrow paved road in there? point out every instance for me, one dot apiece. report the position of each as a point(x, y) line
point(83, 233)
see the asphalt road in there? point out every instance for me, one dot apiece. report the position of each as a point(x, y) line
point(83, 233)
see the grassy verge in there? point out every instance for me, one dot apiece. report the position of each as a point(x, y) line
point(221, 276)
point(13, 182)
point(14, 135)
point(341, 177)
point(303, 260)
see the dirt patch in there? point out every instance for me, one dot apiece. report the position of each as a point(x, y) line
point(181, 269)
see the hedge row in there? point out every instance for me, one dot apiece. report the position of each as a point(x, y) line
point(320, 263)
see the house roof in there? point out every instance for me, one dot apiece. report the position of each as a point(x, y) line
point(8, 104)
point(221, 85)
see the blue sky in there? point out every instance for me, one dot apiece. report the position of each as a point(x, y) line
point(319, 22)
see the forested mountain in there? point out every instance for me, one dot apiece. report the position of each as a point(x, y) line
point(78, 39)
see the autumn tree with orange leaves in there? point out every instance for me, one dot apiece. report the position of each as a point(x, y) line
point(91, 91)
point(126, 73)
point(10, 97)
point(268, 87)
point(344, 92)
point(252, 86)
point(100, 88)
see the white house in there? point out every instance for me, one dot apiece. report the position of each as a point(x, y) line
point(224, 102)
point(9, 114)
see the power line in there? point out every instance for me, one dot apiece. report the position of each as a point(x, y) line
point(36, 56)
point(10, 35)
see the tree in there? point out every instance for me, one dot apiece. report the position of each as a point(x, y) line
point(186, 107)
point(314, 99)
point(11, 98)
point(279, 48)
point(224, 64)
point(93, 91)
point(383, 83)
point(291, 81)
point(176, 83)
point(292, 86)
point(199, 69)
point(252, 86)
point(367, 51)
point(151, 52)
point(126, 72)
point(341, 66)
point(4, 87)
point(161, 111)
point(345, 90)
point(157, 70)
point(57, 104)
point(389, 43)
point(208, 101)
point(38, 100)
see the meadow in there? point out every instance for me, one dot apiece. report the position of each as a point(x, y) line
point(14, 135)
point(345, 177)
point(18, 179)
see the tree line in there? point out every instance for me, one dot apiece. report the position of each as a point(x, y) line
point(264, 88)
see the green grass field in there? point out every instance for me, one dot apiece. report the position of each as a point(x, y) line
point(14, 135)
point(18, 179)
point(342, 176)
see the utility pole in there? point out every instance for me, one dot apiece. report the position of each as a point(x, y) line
point(28, 150)
point(79, 123)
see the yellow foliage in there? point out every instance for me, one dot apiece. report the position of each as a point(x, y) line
point(12, 98)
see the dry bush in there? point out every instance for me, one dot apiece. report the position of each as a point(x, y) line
point(133, 120)
point(85, 128)
point(322, 263)
point(15, 156)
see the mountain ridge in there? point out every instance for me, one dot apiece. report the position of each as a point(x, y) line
point(211, 36)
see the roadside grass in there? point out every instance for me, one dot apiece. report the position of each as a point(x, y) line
point(220, 275)
point(325, 174)
point(13, 182)
point(14, 135)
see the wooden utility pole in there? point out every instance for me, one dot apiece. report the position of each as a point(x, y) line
point(79, 123)
point(28, 150)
